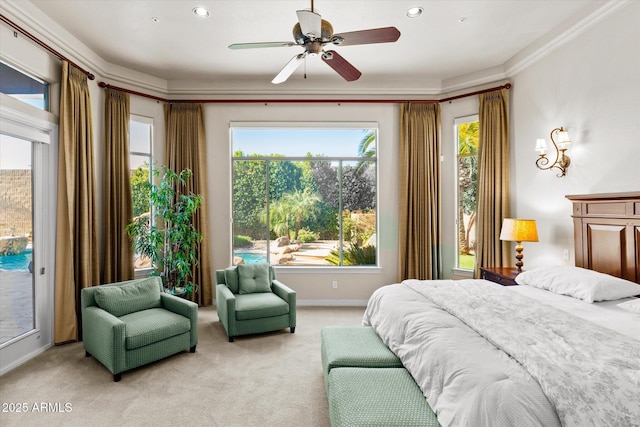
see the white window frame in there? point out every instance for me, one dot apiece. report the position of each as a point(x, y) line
point(143, 272)
point(313, 125)
point(456, 122)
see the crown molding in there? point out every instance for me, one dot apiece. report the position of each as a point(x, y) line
point(588, 17)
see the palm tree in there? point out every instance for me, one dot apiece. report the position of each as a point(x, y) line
point(291, 210)
point(303, 205)
point(366, 148)
point(280, 219)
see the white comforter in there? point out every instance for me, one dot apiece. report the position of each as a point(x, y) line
point(567, 372)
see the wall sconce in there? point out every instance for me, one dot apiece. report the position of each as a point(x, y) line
point(561, 161)
point(519, 230)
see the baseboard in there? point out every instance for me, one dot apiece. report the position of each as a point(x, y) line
point(332, 303)
point(328, 303)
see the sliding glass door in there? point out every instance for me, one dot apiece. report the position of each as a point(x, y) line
point(27, 230)
point(16, 239)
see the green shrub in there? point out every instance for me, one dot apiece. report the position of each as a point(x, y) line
point(242, 241)
point(306, 236)
point(355, 255)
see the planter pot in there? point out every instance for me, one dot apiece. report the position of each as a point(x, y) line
point(179, 292)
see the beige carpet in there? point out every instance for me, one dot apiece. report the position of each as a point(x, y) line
point(272, 379)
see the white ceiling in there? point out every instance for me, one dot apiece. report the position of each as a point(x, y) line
point(433, 51)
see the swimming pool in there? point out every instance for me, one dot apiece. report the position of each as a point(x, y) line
point(252, 257)
point(16, 262)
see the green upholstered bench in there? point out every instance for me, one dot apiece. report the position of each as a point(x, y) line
point(377, 397)
point(354, 346)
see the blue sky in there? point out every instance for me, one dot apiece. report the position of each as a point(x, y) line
point(298, 142)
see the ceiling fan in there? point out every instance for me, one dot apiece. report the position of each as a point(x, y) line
point(313, 33)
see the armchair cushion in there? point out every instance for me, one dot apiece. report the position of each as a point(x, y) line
point(153, 325)
point(259, 306)
point(254, 278)
point(128, 298)
point(231, 279)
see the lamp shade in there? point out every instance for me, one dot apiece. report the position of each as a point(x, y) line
point(519, 230)
point(563, 138)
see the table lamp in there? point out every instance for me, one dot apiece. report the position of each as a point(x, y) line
point(519, 230)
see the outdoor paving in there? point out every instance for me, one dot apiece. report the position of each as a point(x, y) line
point(16, 304)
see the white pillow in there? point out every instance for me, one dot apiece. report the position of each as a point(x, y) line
point(632, 306)
point(587, 285)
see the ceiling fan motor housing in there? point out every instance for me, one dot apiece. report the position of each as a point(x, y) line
point(326, 32)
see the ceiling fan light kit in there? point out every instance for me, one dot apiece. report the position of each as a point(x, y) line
point(313, 33)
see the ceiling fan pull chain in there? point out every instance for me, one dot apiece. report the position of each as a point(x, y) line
point(305, 66)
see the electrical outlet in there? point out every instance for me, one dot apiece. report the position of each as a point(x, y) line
point(565, 254)
point(335, 284)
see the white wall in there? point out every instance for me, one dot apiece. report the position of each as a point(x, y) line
point(591, 86)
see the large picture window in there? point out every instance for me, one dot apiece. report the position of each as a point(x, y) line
point(305, 196)
point(466, 131)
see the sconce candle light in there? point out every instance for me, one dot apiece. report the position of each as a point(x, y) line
point(519, 230)
point(561, 161)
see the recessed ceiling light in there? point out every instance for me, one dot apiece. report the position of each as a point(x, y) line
point(201, 12)
point(414, 12)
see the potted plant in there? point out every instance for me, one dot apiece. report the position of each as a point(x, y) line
point(167, 235)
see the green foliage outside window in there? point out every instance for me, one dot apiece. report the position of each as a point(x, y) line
point(140, 190)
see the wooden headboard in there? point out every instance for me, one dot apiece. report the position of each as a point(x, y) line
point(607, 233)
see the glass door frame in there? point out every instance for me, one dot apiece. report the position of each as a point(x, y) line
point(29, 123)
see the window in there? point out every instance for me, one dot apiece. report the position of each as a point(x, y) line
point(305, 196)
point(23, 87)
point(466, 131)
point(140, 163)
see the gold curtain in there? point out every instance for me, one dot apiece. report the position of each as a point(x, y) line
point(185, 147)
point(493, 180)
point(77, 263)
point(419, 254)
point(118, 248)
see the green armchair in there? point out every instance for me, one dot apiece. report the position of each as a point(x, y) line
point(132, 323)
point(249, 300)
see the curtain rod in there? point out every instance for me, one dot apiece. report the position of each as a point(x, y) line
point(44, 45)
point(281, 100)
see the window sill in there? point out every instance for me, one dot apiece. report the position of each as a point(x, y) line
point(460, 273)
point(328, 270)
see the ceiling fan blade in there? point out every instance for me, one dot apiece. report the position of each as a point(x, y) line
point(310, 23)
point(341, 65)
point(288, 69)
point(375, 35)
point(261, 44)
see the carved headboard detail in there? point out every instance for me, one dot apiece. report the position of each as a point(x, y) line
point(606, 230)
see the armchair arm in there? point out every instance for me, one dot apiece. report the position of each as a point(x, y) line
point(185, 308)
point(226, 308)
point(103, 337)
point(289, 295)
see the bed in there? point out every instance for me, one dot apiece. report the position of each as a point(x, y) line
point(563, 348)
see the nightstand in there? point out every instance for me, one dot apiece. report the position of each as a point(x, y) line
point(504, 276)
